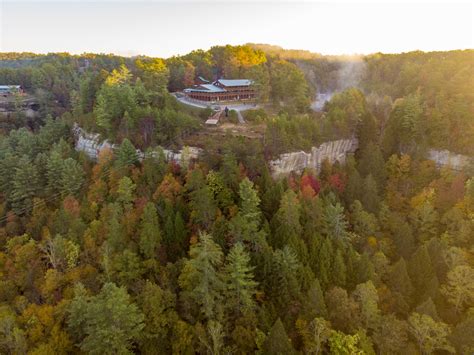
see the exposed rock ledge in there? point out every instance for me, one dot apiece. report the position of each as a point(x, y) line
point(297, 161)
point(447, 158)
point(337, 151)
point(91, 144)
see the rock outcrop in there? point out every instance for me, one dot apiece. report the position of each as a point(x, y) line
point(297, 161)
point(91, 144)
point(337, 151)
point(446, 158)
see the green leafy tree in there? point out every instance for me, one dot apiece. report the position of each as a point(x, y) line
point(462, 336)
point(287, 219)
point(200, 278)
point(180, 231)
point(158, 306)
point(343, 311)
point(247, 223)
point(61, 253)
point(288, 85)
point(25, 186)
point(154, 73)
point(54, 171)
point(324, 262)
point(314, 304)
point(345, 112)
point(240, 285)
point(391, 336)
point(407, 120)
point(364, 223)
point(282, 282)
point(335, 224)
point(212, 338)
point(127, 268)
point(429, 334)
point(339, 271)
point(115, 232)
point(150, 233)
point(203, 207)
point(370, 198)
point(364, 269)
point(230, 169)
point(125, 191)
point(108, 323)
point(399, 280)
point(366, 295)
point(277, 341)
point(222, 194)
point(115, 97)
point(425, 219)
point(344, 344)
point(12, 337)
point(314, 334)
point(429, 308)
point(421, 271)
point(126, 154)
point(72, 177)
point(459, 287)
point(353, 189)
point(372, 162)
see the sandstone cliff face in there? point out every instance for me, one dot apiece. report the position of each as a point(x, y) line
point(91, 144)
point(447, 158)
point(337, 151)
point(297, 161)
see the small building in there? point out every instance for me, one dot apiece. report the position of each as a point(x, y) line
point(7, 90)
point(223, 90)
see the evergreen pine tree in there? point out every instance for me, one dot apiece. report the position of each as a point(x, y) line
point(335, 224)
point(314, 305)
point(400, 282)
point(287, 219)
point(338, 272)
point(370, 198)
point(421, 271)
point(277, 341)
point(200, 279)
point(150, 234)
point(54, 169)
point(324, 261)
point(365, 268)
point(246, 224)
point(71, 178)
point(107, 323)
point(372, 162)
point(115, 235)
point(25, 186)
point(179, 230)
point(429, 308)
point(126, 154)
point(240, 286)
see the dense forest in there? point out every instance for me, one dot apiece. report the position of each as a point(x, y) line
point(214, 255)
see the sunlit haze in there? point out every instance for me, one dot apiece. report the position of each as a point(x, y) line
point(169, 28)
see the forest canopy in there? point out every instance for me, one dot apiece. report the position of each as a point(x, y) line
point(143, 254)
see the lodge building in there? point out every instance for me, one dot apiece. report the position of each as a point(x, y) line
point(223, 90)
point(7, 90)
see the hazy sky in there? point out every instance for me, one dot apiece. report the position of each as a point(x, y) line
point(165, 28)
